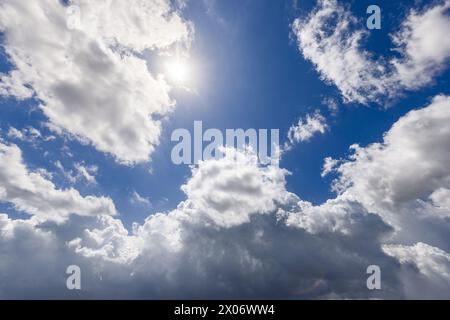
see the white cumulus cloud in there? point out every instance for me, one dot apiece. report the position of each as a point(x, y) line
point(89, 79)
point(307, 127)
point(33, 193)
point(332, 38)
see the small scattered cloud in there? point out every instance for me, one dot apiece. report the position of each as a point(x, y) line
point(306, 128)
point(79, 173)
point(29, 134)
point(331, 104)
point(137, 199)
point(328, 166)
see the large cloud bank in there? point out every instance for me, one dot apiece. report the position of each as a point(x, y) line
point(240, 233)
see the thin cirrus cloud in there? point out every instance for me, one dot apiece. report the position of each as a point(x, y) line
point(332, 39)
point(89, 80)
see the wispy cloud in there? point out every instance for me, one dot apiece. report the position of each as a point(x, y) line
point(306, 129)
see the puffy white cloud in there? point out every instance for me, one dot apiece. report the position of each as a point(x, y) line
point(241, 188)
point(331, 38)
point(109, 240)
point(89, 79)
point(336, 215)
point(424, 43)
point(307, 127)
point(405, 180)
point(430, 261)
point(33, 193)
point(331, 41)
point(137, 25)
point(433, 264)
point(410, 164)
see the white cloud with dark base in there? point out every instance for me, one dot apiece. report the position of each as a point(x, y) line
point(240, 233)
point(245, 242)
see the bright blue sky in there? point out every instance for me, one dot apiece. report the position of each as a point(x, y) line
point(250, 75)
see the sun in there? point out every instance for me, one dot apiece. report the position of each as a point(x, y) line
point(178, 70)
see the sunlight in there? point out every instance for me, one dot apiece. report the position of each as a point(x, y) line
point(178, 70)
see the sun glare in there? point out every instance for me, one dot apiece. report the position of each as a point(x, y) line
point(178, 70)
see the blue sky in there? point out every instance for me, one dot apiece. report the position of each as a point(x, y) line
point(248, 72)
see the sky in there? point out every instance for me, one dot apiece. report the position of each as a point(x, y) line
point(91, 92)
